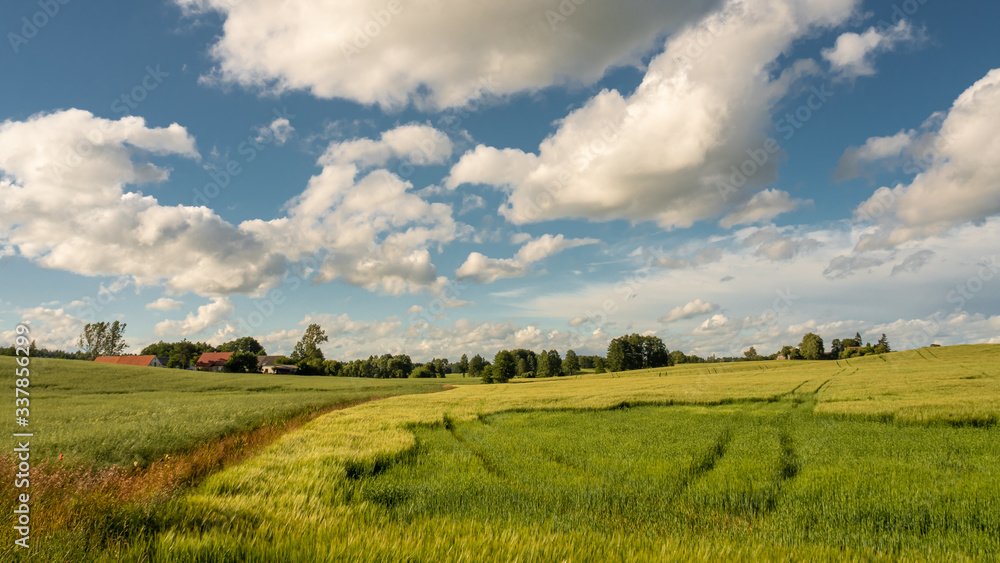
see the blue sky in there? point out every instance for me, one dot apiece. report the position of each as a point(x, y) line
point(440, 178)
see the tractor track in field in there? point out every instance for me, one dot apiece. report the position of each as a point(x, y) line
point(485, 459)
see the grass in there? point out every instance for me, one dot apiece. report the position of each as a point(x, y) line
point(878, 458)
point(104, 415)
point(132, 437)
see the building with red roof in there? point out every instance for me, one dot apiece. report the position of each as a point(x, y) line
point(213, 361)
point(141, 361)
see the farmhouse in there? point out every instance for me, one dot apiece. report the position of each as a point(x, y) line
point(268, 364)
point(141, 361)
point(213, 361)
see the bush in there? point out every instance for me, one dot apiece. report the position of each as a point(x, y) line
point(425, 371)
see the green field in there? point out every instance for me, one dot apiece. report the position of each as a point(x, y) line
point(877, 458)
point(107, 414)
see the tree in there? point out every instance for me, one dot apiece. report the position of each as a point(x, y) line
point(572, 363)
point(425, 371)
point(882, 347)
point(555, 363)
point(751, 355)
point(637, 352)
point(599, 365)
point(791, 353)
point(542, 368)
point(308, 348)
point(463, 364)
point(836, 347)
point(476, 365)
point(677, 358)
point(103, 339)
point(504, 367)
point(245, 344)
point(242, 361)
point(487, 375)
point(811, 347)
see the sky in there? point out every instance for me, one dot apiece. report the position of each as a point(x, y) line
point(439, 177)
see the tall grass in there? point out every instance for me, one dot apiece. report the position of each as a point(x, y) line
point(130, 438)
point(735, 462)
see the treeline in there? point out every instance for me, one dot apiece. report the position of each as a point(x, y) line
point(812, 347)
point(637, 352)
point(36, 352)
point(387, 366)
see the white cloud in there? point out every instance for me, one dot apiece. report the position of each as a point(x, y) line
point(74, 212)
point(914, 262)
point(775, 245)
point(279, 131)
point(691, 310)
point(51, 328)
point(762, 207)
point(164, 304)
point(480, 269)
point(665, 152)
point(852, 54)
point(416, 144)
point(442, 53)
point(875, 149)
point(847, 265)
point(470, 202)
point(207, 316)
point(958, 180)
point(64, 205)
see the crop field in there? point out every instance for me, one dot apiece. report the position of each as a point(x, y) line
point(107, 414)
point(877, 458)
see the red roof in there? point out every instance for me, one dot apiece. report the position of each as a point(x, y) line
point(143, 361)
point(213, 359)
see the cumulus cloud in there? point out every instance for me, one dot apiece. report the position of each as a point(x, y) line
point(207, 316)
point(847, 265)
point(717, 322)
point(414, 143)
point(914, 262)
point(65, 203)
point(852, 54)
point(440, 53)
point(369, 229)
point(775, 245)
point(665, 152)
point(957, 179)
point(278, 132)
point(471, 202)
point(876, 149)
point(762, 207)
point(480, 269)
point(164, 304)
point(691, 310)
point(52, 328)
